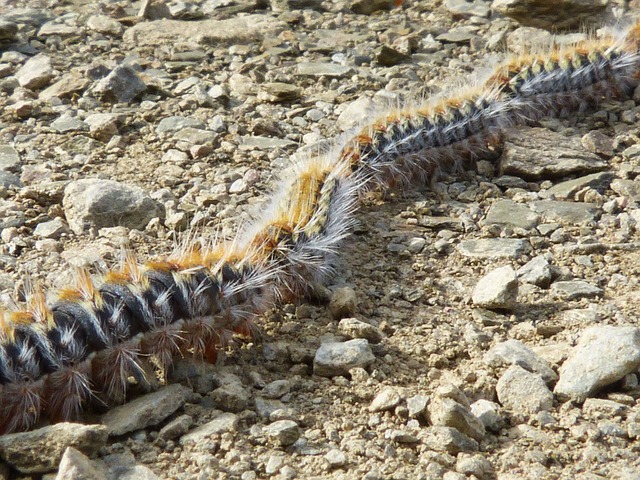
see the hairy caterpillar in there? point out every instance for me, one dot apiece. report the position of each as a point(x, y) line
point(54, 358)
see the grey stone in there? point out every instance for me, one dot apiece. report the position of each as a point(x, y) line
point(40, 451)
point(223, 423)
point(497, 290)
point(283, 432)
point(354, 328)
point(357, 113)
point(475, 465)
point(196, 136)
point(567, 190)
point(278, 92)
point(239, 186)
point(324, 70)
point(388, 57)
point(176, 427)
point(575, 289)
point(104, 24)
point(233, 31)
point(417, 406)
point(264, 143)
point(466, 9)
point(276, 389)
point(36, 72)
point(29, 16)
point(105, 203)
point(456, 35)
point(66, 123)
point(627, 188)
point(266, 406)
point(536, 271)
point(514, 352)
point(601, 408)
point(511, 214)
point(449, 413)
point(448, 439)
point(400, 436)
point(177, 123)
point(137, 472)
point(8, 29)
point(147, 410)
point(231, 397)
point(57, 28)
point(367, 7)
point(9, 159)
point(121, 85)
point(51, 229)
point(343, 303)
point(185, 11)
point(75, 465)
point(103, 126)
point(9, 180)
point(333, 359)
point(387, 399)
point(566, 213)
point(336, 458)
point(603, 355)
point(546, 13)
point(494, 248)
point(488, 413)
point(537, 153)
point(523, 391)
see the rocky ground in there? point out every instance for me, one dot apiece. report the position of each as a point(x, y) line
point(484, 328)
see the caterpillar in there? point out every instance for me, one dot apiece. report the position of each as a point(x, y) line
point(58, 357)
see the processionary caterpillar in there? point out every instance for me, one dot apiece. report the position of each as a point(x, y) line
point(55, 357)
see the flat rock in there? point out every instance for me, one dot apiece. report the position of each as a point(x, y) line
point(566, 213)
point(509, 213)
point(494, 248)
point(497, 290)
point(239, 30)
point(36, 72)
point(448, 439)
point(66, 123)
point(575, 289)
point(567, 190)
point(333, 359)
point(324, 70)
point(225, 422)
point(68, 85)
point(537, 153)
point(466, 9)
point(147, 410)
point(104, 203)
point(523, 391)
point(104, 24)
point(176, 123)
point(603, 355)
point(514, 352)
point(40, 451)
point(547, 14)
point(51, 229)
point(75, 465)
